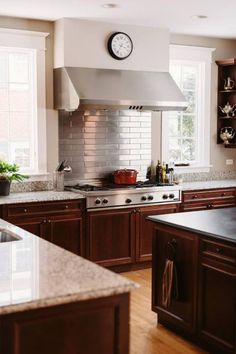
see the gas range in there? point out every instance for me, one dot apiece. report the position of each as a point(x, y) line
point(117, 196)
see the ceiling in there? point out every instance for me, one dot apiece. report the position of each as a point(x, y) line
point(173, 14)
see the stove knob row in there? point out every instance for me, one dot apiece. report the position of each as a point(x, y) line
point(98, 201)
point(166, 196)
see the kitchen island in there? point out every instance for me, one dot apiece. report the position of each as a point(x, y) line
point(52, 301)
point(202, 248)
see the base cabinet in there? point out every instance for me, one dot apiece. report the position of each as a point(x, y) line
point(181, 312)
point(58, 222)
point(122, 236)
point(111, 237)
point(205, 310)
point(99, 326)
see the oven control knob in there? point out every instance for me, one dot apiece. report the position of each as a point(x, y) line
point(150, 197)
point(144, 198)
point(165, 196)
point(105, 201)
point(171, 196)
point(98, 201)
point(128, 201)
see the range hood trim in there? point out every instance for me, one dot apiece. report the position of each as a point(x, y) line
point(75, 88)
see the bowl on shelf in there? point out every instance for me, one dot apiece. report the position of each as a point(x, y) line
point(227, 134)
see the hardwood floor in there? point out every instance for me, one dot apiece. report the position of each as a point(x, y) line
point(146, 336)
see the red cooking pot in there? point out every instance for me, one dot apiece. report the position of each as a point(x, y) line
point(125, 176)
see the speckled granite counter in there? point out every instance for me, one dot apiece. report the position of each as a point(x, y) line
point(35, 273)
point(39, 197)
point(214, 223)
point(227, 183)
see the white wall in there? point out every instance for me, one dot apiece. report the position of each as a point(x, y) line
point(84, 43)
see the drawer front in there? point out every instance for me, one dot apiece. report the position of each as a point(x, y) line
point(42, 208)
point(208, 195)
point(218, 251)
point(194, 206)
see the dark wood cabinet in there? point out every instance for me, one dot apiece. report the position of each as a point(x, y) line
point(226, 69)
point(58, 222)
point(144, 229)
point(111, 236)
point(217, 296)
point(205, 310)
point(182, 311)
point(97, 326)
point(207, 199)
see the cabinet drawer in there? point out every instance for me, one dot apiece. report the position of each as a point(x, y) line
point(209, 204)
point(219, 251)
point(42, 208)
point(208, 195)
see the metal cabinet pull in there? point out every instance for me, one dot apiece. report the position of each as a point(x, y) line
point(219, 250)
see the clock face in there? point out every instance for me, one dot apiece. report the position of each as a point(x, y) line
point(120, 45)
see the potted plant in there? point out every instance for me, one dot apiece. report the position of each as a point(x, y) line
point(9, 173)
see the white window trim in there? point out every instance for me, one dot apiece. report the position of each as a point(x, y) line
point(34, 40)
point(195, 54)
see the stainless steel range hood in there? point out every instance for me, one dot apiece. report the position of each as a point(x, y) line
point(87, 88)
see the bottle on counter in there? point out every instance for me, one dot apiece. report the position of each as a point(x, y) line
point(158, 172)
point(163, 172)
point(167, 179)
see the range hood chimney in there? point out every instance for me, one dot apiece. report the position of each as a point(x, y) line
point(88, 88)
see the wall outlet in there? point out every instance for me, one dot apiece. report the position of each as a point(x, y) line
point(229, 162)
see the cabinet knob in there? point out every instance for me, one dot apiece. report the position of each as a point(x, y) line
point(194, 196)
point(67, 207)
point(25, 210)
point(223, 194)
point(210, 206)
point(49, 221)
point(44, 221)
point(219, 250)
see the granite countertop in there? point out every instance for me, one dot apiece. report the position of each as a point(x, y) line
point(226, 183)
point(35, 273)
point(43, 196)
point(219, 223)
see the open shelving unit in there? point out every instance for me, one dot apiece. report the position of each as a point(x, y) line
point(226, 68)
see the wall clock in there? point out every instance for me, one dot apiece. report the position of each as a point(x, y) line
point(120, 45)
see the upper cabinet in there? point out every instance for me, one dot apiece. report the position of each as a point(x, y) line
point(226, 103)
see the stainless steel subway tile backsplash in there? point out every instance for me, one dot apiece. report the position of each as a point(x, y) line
point(98, 142)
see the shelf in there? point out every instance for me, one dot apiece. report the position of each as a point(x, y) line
point(228, 118)
point(227, 91)
point(231, 146)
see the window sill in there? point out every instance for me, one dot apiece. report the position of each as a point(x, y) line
point(192, 169)
point(39, 176)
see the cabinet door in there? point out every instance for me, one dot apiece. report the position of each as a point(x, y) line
point(181, 314)
point(145, 229)
point(66, 232)
point(217, 305)
point(36, 226)
point(111, 237)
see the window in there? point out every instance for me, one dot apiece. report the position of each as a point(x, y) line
point(186, 134)
point(18, 106)
point(22, 99)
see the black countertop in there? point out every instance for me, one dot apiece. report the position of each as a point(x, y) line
point(219, 223)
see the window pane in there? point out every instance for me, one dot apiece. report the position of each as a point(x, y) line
point(18, 67)
point(188, 150)
point(4, 126)
point(191, 98)
point(19, 125)
point(3, 67)
point(189, 77)
point(20, 153)
point(174, 125)
point(175, 149)
point(188, 124)
point(3, 97)
point(19, 97)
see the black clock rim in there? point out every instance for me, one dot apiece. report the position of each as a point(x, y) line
point(110, 48)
